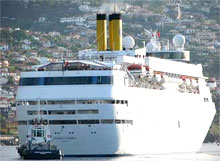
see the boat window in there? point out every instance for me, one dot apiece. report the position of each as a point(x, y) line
point(118, 121)
point(53, 102)
point(61, 112)
point(36, 112)
point(206, 99)
point(32, 102)
point(118, 101)
point(39, 133)
point(168, 55)
point(35, 122)
point(32, 112)
point(57, 112)
point(66, 80)
point(92, 121)
point(90, 111)
point(62, 121)
point(29, 81)
point(22, 122)
point(33, 133)
point(88, 121)
point(107, 121)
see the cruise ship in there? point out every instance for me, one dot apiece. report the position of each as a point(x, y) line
point(119, 99)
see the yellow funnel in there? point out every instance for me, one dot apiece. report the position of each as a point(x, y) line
point(101, 33)
point(115, 32)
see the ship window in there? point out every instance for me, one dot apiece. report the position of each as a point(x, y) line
point(34, 122)
point(88, 121)
point(36, 112)
point(130, 122)
point(56, 112)
point(43, 112)
point(61, 112)
point(168, 55)
point(32, 112)
point(33, 133)
point(32, 102)
point(66, 80)
point(29, 81)
point(102, 121)
point(107, 121)
point(63, 122)
point(68, 102)
point(90, 111)
point(117, 121)
point(40, 133)
point(86, 101)
point(107, 101)
point(69, 112)
point(53, 102)
point(22, 122)
point(206, 100)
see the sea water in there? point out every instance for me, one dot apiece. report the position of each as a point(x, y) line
point(208, 152)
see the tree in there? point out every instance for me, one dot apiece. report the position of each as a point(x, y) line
point(6, 36)
point(19, 35)
point(10, 80)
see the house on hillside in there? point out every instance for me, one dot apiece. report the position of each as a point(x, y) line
point(54, 33)
point(25, 47)
point(4, 46)
point(47, 44)
point(27, 42)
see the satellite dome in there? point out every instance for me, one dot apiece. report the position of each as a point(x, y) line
point(179, 40)
point(128, 42)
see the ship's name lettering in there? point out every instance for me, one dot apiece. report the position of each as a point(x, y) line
point(65, 138)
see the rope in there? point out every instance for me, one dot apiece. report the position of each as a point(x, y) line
point(97, 38)
point(134, 36)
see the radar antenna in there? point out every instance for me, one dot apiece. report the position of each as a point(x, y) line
point(178, 10)
point(114, 8)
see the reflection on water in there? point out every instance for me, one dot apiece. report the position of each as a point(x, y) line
point(208, 152)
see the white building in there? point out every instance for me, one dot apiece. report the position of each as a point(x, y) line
point(27, 42)
point(41, 19)
point(84, 8)
point(54, 33)
point(4, 47)
point(47, 44)
point(72, 19)
point(25, 47)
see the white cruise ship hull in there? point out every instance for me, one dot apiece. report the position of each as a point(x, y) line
point(163, 121)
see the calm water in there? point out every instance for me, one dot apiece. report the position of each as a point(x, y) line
point(208, 152)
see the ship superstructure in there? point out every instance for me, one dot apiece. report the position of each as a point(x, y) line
point(119, 100)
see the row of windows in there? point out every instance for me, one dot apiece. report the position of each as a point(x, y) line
point(94, 121)
point(66, 80)
point(38, 133)
point(63, 112)
point(59, 102)
point(171, 55)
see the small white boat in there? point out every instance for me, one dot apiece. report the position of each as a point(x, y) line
point(38, 145)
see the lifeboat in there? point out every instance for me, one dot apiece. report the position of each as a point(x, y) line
point(135, 67)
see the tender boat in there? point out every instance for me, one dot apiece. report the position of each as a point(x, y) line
point(38, 145)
